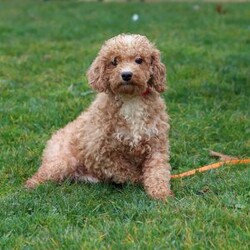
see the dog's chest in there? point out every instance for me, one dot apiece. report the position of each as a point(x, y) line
point(138, 127)
point(135, 115)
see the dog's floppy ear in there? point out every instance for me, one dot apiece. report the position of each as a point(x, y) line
point(96, 75)
point(158, 77)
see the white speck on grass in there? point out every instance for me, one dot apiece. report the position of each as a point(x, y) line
point(135, 17)
point(196, 7)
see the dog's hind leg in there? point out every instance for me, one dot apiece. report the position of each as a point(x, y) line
point(59, 159)
point(55, 171)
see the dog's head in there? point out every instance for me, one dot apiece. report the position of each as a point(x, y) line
point(127, 64)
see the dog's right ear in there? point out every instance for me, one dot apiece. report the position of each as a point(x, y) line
point(96, 75)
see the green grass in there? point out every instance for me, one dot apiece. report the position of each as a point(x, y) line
point(45, 50)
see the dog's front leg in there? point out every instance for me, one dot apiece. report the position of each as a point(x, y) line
point(156, 176)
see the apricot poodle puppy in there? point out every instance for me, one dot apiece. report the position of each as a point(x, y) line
point(123, 135)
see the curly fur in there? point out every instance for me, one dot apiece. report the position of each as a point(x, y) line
point(123, 135)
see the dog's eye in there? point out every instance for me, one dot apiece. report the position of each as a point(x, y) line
point(114, 62)
point(138, 60)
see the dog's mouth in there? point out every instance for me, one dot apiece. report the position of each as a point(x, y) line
point(128, 87)
point(132, 87)
point(126, 83)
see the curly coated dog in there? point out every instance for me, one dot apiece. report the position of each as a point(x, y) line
point(123, 135)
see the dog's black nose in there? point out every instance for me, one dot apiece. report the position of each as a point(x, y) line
point(126, 75)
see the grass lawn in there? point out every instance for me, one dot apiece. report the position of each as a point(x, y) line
point(45, 50)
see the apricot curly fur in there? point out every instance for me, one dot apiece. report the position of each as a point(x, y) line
point(123, 135)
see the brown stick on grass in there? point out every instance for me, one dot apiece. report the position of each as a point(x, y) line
point(222, 157)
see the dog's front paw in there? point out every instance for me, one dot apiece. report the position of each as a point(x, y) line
point(159, 193)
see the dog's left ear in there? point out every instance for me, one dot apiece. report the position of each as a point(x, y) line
point(96, 75)
point(158, 77)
